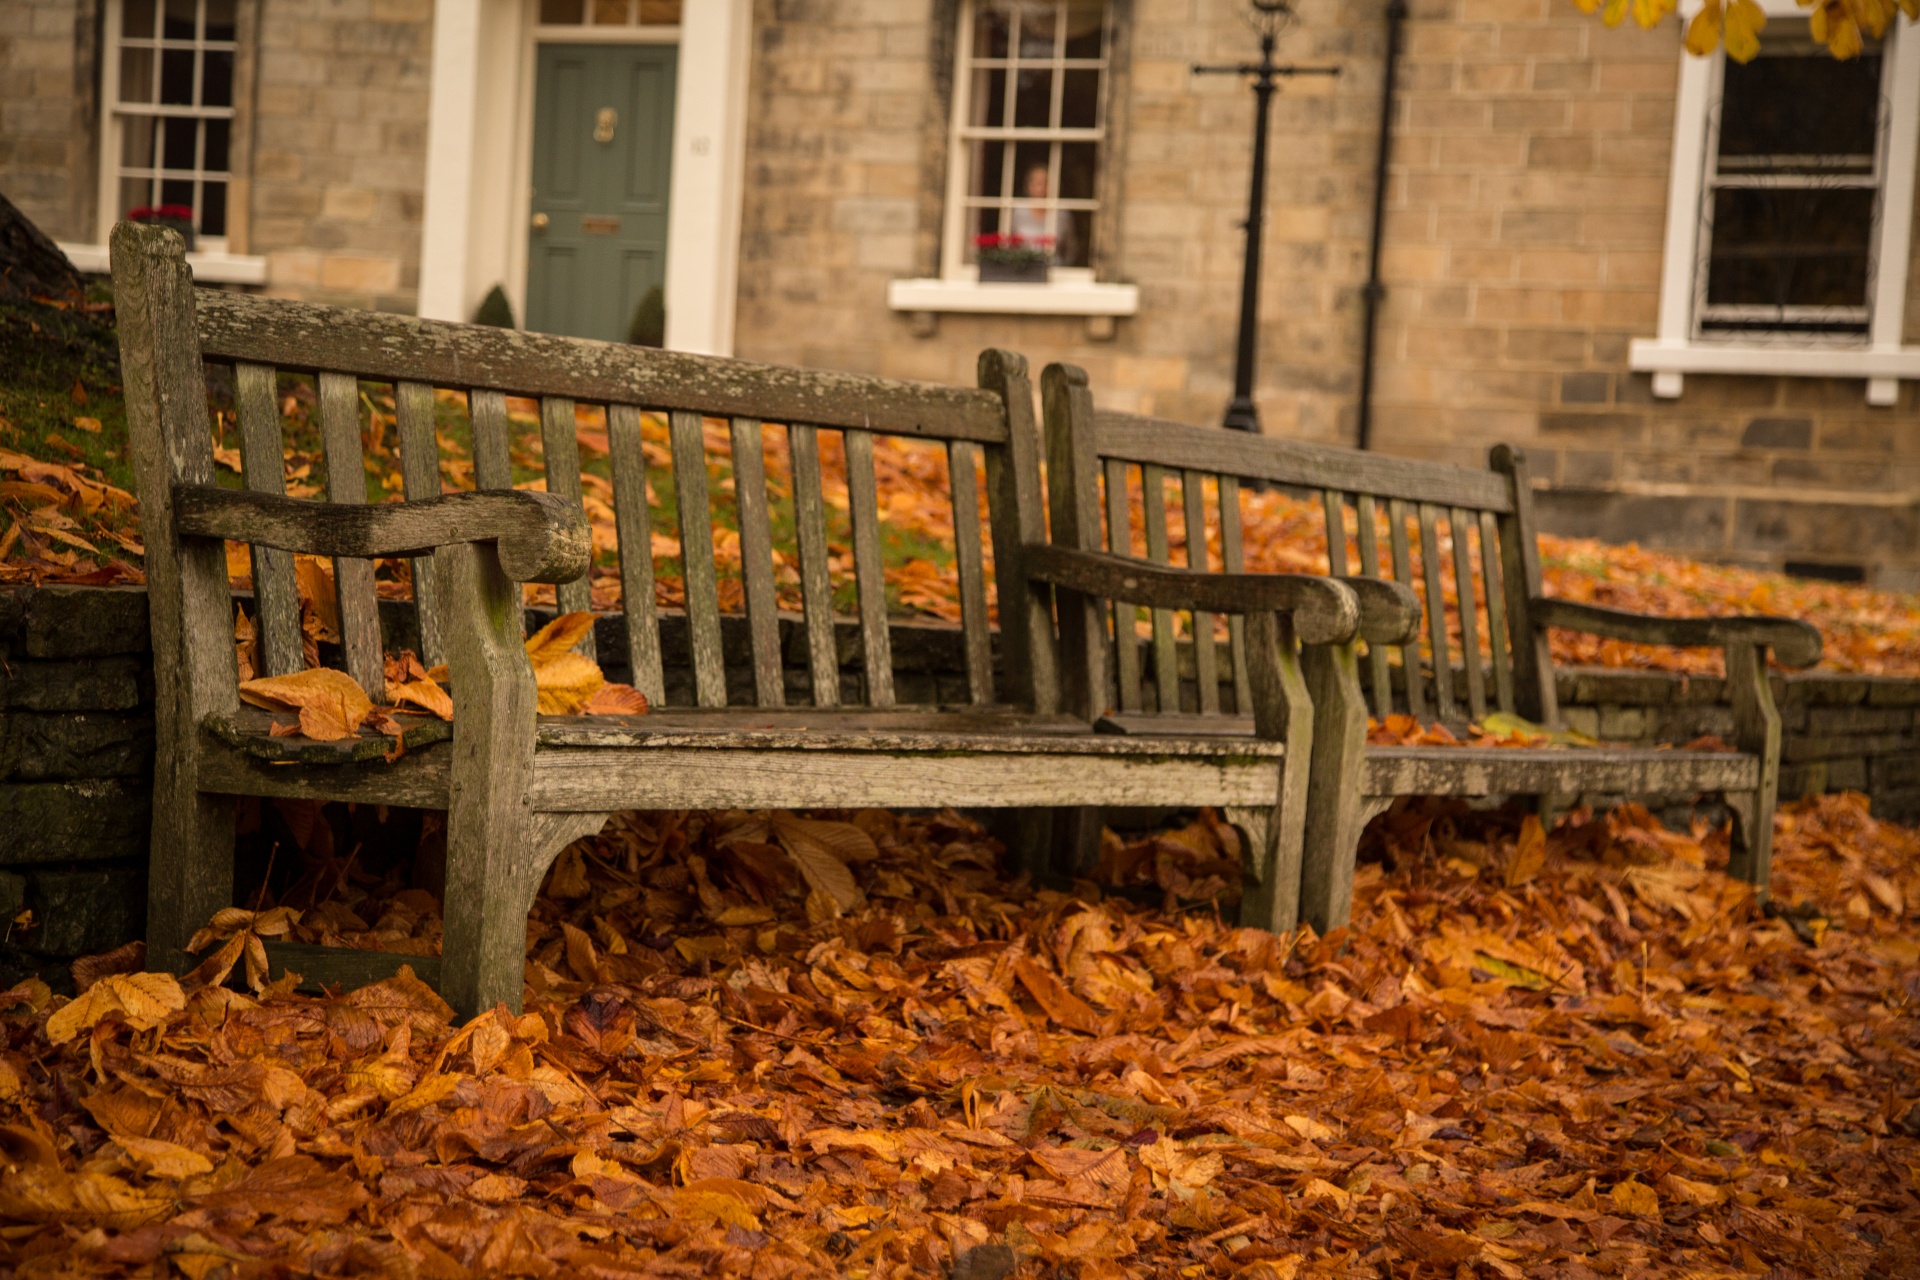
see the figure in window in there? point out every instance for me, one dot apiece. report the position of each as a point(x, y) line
point(1037, 224)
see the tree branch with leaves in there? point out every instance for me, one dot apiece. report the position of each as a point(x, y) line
point(1843, 26)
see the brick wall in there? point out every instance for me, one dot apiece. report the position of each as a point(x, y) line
point(46, 112)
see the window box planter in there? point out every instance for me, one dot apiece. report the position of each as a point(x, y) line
point(1013, 272)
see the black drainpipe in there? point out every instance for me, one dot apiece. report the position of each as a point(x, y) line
point(1375, 292)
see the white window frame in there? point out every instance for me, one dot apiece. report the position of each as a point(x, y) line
point(210, 259)
point(1679, 347)
point(1069, 290)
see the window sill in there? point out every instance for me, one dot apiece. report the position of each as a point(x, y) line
point(210, 268)
point(1669, 362)
point(1055, 298)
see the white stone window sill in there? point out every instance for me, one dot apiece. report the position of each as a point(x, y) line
point(1669, 362)
point(212, 268)
point(1055, 298)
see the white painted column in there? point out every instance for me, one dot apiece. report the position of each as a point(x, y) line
point(709, 155)
point(1680, 262)
point(451, 111)
point(1896, 207)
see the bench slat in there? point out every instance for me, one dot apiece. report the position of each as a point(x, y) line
point(1193, 496)
point(304, 336)
point(492, 459)
point(1403, 574)
point(633, 524)
point(1166, 652)
point(1126, 638)
point(560, 448)
point(420, 477)
point(1295, 463)
point(1459, 522)
point(963, 483)
point(756, 559)
point(863, 506)
point(1496, 612)
point(1233, 560)
point(816, 585)
point(352, 579)
point(1380, 676)
point(263, 459)
point(696, 558)
point(1332, 506)
point(1430, 574)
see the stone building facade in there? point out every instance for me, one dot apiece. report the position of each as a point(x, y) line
point(1538, 284)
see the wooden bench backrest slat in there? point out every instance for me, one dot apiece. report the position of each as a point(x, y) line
point(1434, 598)
point(756, 559)
point(816, 585)
point(1366, 533)
point(633, 526)
point(1166, 653)
point(1119, 519)
point(352, 578)
point(963, 482)
point(1294, 463)
point(263, 462)
point(696, 558)
point(1496, 612)
point(420, 476)
point(1403, 574)
point(1461, 525)
point(1233, 560)
point(492, 463)
point(863, 509)
point(560, 450)
point(1206, 673)
point(389, 348)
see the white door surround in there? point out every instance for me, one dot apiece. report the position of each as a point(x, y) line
point(479, 160)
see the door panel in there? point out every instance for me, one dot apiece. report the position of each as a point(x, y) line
point(603, 141)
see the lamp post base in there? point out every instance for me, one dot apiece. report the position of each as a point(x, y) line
point(1242, 416)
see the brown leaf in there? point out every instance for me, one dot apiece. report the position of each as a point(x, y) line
point(815, 850)
point(331, 703)
point(1051, 994)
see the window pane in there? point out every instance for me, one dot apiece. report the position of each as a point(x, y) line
point(1080, 99)
point(220, 19)
point(989, 176)
point(135, 193)
point(1766, 109)
point(1033, 100)
point(136, 141)
point(218, 133)
point(136, 75)
point(989, 105)
point(1079, 170)
point(1790, 247)
point(1039, 29)
point(213, 208)
point(179, 21)
point(1075, 246)
point(665, 12)
point(176, 76)
point(180, 138)
point(176, 192)
point(990, 31)
point(1086, 28)
point(1030, 158)
point(562, 12)
point(136, 19)
point(610, 13)
point(216, 78)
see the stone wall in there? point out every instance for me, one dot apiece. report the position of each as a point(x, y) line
point(76, 765)
point(48, 102)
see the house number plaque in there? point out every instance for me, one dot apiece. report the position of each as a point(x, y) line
point(599, 225)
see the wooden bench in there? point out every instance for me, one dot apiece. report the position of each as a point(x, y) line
point(1499, 662)
point(519, 786)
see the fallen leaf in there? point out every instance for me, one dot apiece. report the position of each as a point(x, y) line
point(332, 705)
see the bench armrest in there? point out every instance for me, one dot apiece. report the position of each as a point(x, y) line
point(1324, 611)
point(1793, 642)
point(1389, 610)
point(541, 538)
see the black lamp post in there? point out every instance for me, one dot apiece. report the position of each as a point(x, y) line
point(1266, 17)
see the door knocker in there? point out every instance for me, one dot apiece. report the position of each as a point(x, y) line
point(604, 123)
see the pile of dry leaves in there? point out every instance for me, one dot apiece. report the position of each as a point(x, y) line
point(849, 1047)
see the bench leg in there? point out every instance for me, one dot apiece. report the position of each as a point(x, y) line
point(1756, 731)
point(1282, 711)
point(189, 866)
point(1335, 803)
point(490, 821)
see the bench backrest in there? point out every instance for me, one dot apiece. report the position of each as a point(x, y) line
point(340, 350)
point(1461, 539)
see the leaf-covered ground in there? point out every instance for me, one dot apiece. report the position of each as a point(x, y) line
point(1580, 1054)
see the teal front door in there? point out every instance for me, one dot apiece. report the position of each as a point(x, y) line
point(602, 153)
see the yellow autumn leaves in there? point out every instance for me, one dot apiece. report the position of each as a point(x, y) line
point(1841, 25)
point(332, 705)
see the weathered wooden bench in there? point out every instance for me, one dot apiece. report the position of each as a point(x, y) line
point(519, 786)
point(1500, 616)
